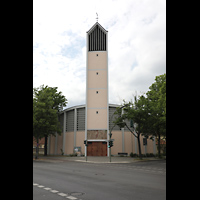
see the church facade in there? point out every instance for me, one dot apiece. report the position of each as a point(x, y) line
point(92, 121)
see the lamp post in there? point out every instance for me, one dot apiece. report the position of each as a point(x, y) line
point(85, 142)
point(110, 134)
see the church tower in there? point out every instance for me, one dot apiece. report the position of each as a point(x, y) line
point(97, 106)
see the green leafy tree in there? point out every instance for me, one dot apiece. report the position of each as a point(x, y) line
point(47, 103)
point(156, 100)
point(135, 112)
point(148, 113)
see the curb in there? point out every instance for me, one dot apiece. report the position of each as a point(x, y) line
point(88, 161)
point(102, 162)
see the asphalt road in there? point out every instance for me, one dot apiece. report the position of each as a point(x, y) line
point(58, 180)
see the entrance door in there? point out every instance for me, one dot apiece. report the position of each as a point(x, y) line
point(97, 149)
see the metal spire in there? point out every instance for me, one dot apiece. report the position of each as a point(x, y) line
point(97, 17)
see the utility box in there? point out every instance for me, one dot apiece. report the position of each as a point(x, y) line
point(77, 150)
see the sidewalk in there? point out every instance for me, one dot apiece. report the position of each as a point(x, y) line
point(94, 159)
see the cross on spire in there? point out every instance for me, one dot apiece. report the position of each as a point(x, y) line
point(97, 17)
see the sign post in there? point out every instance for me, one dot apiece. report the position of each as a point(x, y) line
point(85, 142)
point(110, 144)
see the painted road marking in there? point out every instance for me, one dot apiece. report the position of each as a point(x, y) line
point(47, 188)
point(62, 194)
point(40, 186)
point(71, 197)
point(54, 191)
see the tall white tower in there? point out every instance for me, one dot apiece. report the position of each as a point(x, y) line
point(97, 106)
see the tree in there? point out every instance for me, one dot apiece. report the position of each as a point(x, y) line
point(156, 100)
point(47, 103)
point(149, 113)
point(137, 113)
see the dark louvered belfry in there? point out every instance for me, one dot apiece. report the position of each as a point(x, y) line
point(97, 38)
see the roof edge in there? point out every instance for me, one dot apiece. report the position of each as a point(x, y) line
point(97, 23)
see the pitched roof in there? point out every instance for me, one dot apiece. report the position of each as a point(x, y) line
point(93, 27)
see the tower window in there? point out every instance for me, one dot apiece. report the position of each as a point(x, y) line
point(97, 92)
point(97, 112)
point(97, 54)
point(97, 73)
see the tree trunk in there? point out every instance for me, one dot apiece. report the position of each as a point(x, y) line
point(159, 145)
point(45, 146)
point(37, 149)
point(138, 137)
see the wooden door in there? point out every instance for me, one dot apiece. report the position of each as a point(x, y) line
point(97, 149)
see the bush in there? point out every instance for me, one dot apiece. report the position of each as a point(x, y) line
point(133, 154)
point(74, 154)
point(150, 155)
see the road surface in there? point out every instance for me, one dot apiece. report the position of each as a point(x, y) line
point(58, 180)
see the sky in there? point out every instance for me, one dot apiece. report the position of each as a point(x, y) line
point(136, 45)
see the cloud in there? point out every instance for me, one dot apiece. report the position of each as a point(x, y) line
point(136, 45)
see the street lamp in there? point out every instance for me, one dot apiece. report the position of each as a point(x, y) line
point(110, 134)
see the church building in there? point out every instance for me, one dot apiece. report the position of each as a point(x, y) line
point(92, 121)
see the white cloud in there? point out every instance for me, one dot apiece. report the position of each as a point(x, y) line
point(136, 46)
